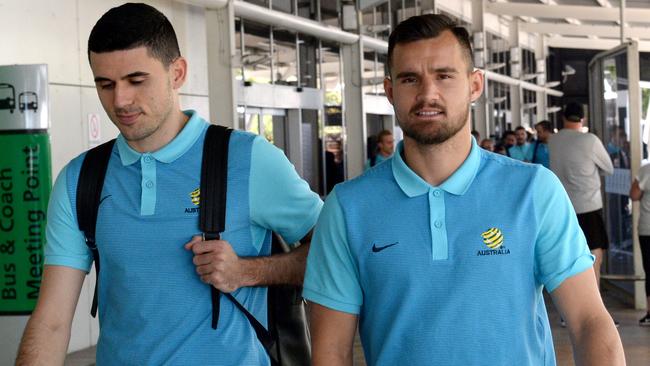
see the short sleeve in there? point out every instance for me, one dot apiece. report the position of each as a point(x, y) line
point(280, 200)
point(561, 249)
point(65, 245)
point(644, 178)
point(332, 276)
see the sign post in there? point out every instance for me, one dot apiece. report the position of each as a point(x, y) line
point(25, 184)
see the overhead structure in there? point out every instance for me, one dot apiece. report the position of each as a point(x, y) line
point(601, 26)
point(325, 32)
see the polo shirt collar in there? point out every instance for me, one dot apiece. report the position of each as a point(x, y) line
point(173, 150)
point(458, 183)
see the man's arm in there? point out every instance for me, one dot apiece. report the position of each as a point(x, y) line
point(218, 264)
point(601, 158)
point(332, 335)
point(593, 333)
point(635, 191)
point(46, 336)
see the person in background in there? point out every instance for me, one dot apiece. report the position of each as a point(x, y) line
point(539, 149)
point(385, 148)
point(334, 171)
point(521, 150)
point(508, 140)
point(640, 191)
point(487, 144)
point(618, 147)
point(579, 159)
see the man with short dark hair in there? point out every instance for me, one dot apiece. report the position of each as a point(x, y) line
point(157, 273)
point(432, 283)
point(385, 147)
point(539, 149)
point(521, 150)
point(487, 144)
point(508, 140)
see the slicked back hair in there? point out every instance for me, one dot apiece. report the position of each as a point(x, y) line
point(134, 25)
point(428, 26)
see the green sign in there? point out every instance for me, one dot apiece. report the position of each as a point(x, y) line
point(25, 184)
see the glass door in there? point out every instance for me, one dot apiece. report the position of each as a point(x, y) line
point(615, 117)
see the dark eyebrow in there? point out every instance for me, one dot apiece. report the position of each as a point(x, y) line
point(406, 74)
point(440, 70)
point(446, 70)
point(136, 74)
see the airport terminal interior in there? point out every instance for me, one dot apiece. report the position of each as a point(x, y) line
point(308, 76)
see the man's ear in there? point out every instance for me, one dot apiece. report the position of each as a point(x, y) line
point(477, 81)
point(388, 88)
point(178, 71)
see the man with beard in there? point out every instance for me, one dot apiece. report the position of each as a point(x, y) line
point(520, 151)
point(449, 279)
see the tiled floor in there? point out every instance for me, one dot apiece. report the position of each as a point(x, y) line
point(636, 339)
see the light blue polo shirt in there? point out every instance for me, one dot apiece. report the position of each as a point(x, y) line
point(153, 307)
point(448, 275)
point(522, 152)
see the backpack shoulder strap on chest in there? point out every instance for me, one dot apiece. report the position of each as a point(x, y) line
point(212, 216)
point(89, 190)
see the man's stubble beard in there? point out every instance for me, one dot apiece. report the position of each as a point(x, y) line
point(444, 132)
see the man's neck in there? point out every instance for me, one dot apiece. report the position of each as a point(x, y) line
point(436, 163)
point(166, 132)
point(385, 154)
point(575, 126)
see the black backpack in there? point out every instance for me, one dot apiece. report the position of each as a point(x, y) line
point(287, 341)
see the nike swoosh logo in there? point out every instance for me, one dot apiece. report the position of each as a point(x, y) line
point(102, 200)
point(376, 249)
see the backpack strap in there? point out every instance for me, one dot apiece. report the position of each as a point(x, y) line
point(89, 190)
point(214, 179)
point(212, 216)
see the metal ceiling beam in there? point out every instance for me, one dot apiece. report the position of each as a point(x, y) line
point(591, 44)
point(524, 84)
point(585, 30)
point(561, 11)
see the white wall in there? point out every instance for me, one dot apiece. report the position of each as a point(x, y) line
point(56, 33)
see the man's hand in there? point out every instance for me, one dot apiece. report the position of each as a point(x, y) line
point(218, 264)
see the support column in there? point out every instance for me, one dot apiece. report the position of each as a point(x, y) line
point(482, 123)
point(294, 143)
point(541, 52)
point(354, 117)
point(634, 115)
point(222, 85)
point(516, 69)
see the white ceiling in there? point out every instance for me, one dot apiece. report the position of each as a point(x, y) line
point(579, 23)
